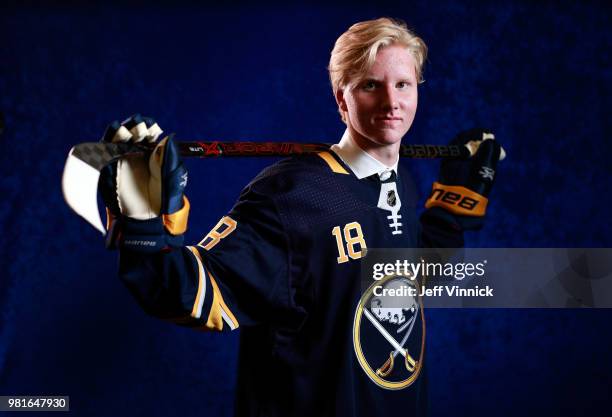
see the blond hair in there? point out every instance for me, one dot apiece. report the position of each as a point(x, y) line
point(355, 50)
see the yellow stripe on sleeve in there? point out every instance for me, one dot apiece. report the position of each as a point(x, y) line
point(196, 312)
point(219, 309)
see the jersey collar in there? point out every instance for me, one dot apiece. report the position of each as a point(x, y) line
point(359, 161)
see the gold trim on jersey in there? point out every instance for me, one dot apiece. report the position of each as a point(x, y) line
point(219, 310)
point(196, 311)
point(333, 164)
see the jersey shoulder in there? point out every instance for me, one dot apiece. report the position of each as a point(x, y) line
point(310, 190)
point(321, 171)
point(409, 190)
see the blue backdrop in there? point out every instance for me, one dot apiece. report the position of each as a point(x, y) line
point(538, 74)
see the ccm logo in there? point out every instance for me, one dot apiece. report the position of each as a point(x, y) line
point(450, 197)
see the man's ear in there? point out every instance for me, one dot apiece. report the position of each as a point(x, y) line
point(340, 100)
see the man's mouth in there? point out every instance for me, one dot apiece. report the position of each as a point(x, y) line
point(389, 119)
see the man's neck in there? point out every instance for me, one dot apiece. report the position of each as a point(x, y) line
point(386, 154)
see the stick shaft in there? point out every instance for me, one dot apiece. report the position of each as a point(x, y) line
point(213, 149)
point(100, 154)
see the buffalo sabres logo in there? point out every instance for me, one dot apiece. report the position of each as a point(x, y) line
point(389, 332)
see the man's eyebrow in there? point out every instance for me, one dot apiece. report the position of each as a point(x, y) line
point(407, 78)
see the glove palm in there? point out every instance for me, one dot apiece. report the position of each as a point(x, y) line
point(144, 191)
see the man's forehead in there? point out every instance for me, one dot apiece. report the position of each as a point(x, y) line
point(396, 71)
point(392, 60)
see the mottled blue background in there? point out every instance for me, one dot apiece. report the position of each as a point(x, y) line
point(537, 73)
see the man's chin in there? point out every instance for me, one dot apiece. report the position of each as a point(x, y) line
point(386, 138)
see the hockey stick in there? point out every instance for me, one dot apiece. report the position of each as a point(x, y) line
point(99, 154)
point(86, 160)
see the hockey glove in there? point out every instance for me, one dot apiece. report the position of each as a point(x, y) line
point(146, 208)
point(460, 197)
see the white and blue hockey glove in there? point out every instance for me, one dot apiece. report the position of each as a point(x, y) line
point(460, 197)
point(147, 210)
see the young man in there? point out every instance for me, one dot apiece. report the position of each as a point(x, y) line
point(284, 264)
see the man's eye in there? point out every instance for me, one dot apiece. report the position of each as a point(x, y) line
point(369, 85)
point(403, 84)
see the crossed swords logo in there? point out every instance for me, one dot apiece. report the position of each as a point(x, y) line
point(375, 314)
point(409, 361)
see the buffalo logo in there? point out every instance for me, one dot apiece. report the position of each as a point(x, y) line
point(389, 332)
point(391, 198)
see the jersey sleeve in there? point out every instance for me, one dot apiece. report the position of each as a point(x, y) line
point(238, 274)
point(437, 232)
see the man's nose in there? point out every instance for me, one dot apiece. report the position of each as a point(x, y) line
point(389, 99)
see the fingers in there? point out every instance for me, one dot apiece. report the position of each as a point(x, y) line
point(472, 139)
point(153, 131)
point(473, 135)
point(135, 128)
point(502, 152)
point(126, 183)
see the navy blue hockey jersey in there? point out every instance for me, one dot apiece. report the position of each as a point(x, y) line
point(284, 265)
